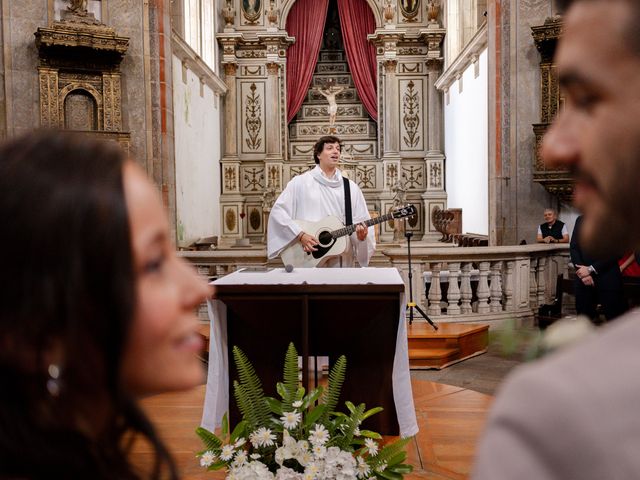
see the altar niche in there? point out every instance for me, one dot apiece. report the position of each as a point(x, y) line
point(332, 96)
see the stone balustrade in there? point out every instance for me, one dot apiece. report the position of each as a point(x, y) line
point(452, 284)
point(482, 283)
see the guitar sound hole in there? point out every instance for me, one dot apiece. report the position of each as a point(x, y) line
point(325, 238)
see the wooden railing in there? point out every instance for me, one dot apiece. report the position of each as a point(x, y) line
point(451, 284)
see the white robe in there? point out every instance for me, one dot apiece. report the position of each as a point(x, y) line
point(311, 197)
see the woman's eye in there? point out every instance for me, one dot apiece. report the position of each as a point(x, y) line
point(154, 265)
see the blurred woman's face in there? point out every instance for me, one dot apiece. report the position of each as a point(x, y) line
point(161, 352)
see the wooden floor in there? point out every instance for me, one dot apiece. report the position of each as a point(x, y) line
point(450, 420)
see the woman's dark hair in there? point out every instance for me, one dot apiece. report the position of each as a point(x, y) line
point(319, 146)
point(67, 296)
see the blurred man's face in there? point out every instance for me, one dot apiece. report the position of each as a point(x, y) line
point(549, 216)
point(598, 132)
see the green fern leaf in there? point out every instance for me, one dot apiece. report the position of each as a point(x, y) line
point(253, 391)
point(336, 380)
point(210, 439)
point(290, 376)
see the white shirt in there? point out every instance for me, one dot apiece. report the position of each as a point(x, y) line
point(312, 197)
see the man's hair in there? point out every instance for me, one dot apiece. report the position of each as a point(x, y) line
point(553, 210)
point(632, 32)
point(319, 146)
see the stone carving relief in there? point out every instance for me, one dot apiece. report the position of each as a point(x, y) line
point(295, 171)
point(413, 177)
point(411, 112)
point(255, 220)
point(435, 175)
point(230, 179)
point(253, 179)
point(391, 175)
point(366, 176)
point(273, 177)
point(230, 219)
point(253, 131)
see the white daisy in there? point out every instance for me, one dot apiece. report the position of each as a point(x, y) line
point(227, 453)
point(319, 435)
point(240, 458)
point(297, 403)
point(356, 432)
point(372, 446)
point(207, 459)
point(363, 468)
point(262, 438)
point(241, 441)
point(382, 467)
point(291, 419)
point(255, 456)
point(319, 451)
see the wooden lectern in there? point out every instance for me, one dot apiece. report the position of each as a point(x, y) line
point(336, 318)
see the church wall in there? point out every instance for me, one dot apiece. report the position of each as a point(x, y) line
point(516, 202)
point(197, 155)
point(466, 147)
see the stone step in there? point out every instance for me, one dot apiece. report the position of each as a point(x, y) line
point(341, 80)
point(346, 112)
point(354, 129)
point(331, 68)
point(331, 56)
point(350, 95)
point(358, 149)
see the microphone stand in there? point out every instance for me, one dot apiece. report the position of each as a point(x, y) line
point(411, 303)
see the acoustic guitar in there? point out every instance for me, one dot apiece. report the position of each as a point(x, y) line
point(331, 234)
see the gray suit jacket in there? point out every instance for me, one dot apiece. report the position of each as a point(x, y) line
point(574, 415)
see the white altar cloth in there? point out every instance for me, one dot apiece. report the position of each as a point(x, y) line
point(216, 401)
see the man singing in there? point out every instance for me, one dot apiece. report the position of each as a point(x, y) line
point(313, 196)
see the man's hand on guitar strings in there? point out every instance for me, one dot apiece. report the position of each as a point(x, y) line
point(308, 242)
point(361, 231)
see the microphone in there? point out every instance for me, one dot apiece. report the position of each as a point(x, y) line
point(288, 268)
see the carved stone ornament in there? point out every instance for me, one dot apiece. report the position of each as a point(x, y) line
point(229, 14)
point(389, 12)
point(272, 14)
point(433, 10)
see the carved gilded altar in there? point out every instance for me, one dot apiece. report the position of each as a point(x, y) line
point(402, 150)
point(557, 181)
point(79, 75)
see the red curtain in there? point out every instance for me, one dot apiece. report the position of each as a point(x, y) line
point(356, 22)
point(306, 23)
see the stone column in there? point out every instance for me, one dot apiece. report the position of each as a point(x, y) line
point(230, 114)
point(391, 113)
point(272, 103)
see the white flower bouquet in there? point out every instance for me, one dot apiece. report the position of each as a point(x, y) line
point(299, 437)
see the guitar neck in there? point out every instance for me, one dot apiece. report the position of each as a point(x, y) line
point(352, 228)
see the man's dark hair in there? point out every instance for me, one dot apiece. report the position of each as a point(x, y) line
point(69, 289)
point(632, 31)
point(319, 146)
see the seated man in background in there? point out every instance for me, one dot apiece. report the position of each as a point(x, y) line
point(552, 230)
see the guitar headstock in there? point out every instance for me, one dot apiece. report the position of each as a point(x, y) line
point(406, 211)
